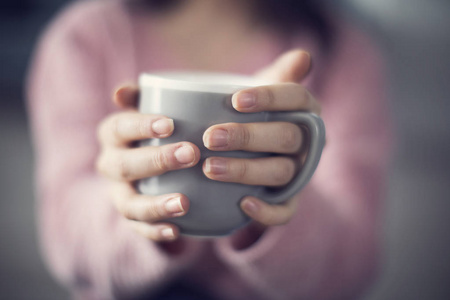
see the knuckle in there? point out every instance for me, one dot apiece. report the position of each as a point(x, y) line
point(148, 231)
point(156, 212)
point(143, 127)
point(268, 218)
point(242, 136)
point(269, 96)
point(284, 217)
point(125, 209)
point(274, 216)
point(308, 102)
point(303, 96)
point(152, 235)
point(242, 170)
point(123, 168)
point(289, 138)
point(282, 221)
point(126, 212)
point(283, 172)
point(160, 160)
point(148, 234)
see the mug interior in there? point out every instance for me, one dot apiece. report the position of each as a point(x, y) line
point(200, 81)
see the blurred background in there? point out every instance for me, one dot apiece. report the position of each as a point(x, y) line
point(415, 38)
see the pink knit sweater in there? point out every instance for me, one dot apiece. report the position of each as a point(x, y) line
point(328, 251)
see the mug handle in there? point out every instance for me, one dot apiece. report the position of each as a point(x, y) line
point(316, 132)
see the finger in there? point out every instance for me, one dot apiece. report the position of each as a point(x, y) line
point(270, 171)
point(292, 66)
point(277, 97)
point(126, 96)
point(267, 214)
point(157, 232)
point(138, 163)
point(275, 137)
point(122, 128)
point(147, 208)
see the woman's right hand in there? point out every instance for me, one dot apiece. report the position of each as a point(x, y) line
point(123, 164)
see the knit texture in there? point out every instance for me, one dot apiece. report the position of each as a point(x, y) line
point(329, 250)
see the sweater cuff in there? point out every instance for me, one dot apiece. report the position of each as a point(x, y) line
point(249, 244)
point(147, 265)
point(247, 248)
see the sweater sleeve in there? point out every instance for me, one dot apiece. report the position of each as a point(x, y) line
point(329, 250)
point(84, 240)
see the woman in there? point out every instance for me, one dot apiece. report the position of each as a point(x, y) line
point(104, 241)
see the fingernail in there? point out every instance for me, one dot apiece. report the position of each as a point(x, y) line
point(250, 206)
point(167, 233)
point(218, 138)
point(162, 126)
point(174, 206)
point(216, 166)
point(185, 155)
point(124, 94)
point(245, 100)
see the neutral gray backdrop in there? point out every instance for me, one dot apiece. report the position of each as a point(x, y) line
point(415, 37)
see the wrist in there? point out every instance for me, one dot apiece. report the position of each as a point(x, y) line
point(247, 236)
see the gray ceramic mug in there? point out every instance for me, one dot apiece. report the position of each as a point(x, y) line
point(196, 101)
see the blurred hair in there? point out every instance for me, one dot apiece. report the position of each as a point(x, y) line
point(290, 16)
point(286, 16)
point(154, 6)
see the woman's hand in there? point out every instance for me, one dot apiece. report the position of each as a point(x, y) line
point(123, 164)
point(275, 137)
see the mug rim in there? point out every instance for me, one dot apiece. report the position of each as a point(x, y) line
point(199, 81)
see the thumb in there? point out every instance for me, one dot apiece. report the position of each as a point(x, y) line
point(291, 66)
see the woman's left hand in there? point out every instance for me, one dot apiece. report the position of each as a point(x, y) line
point(275, 137)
